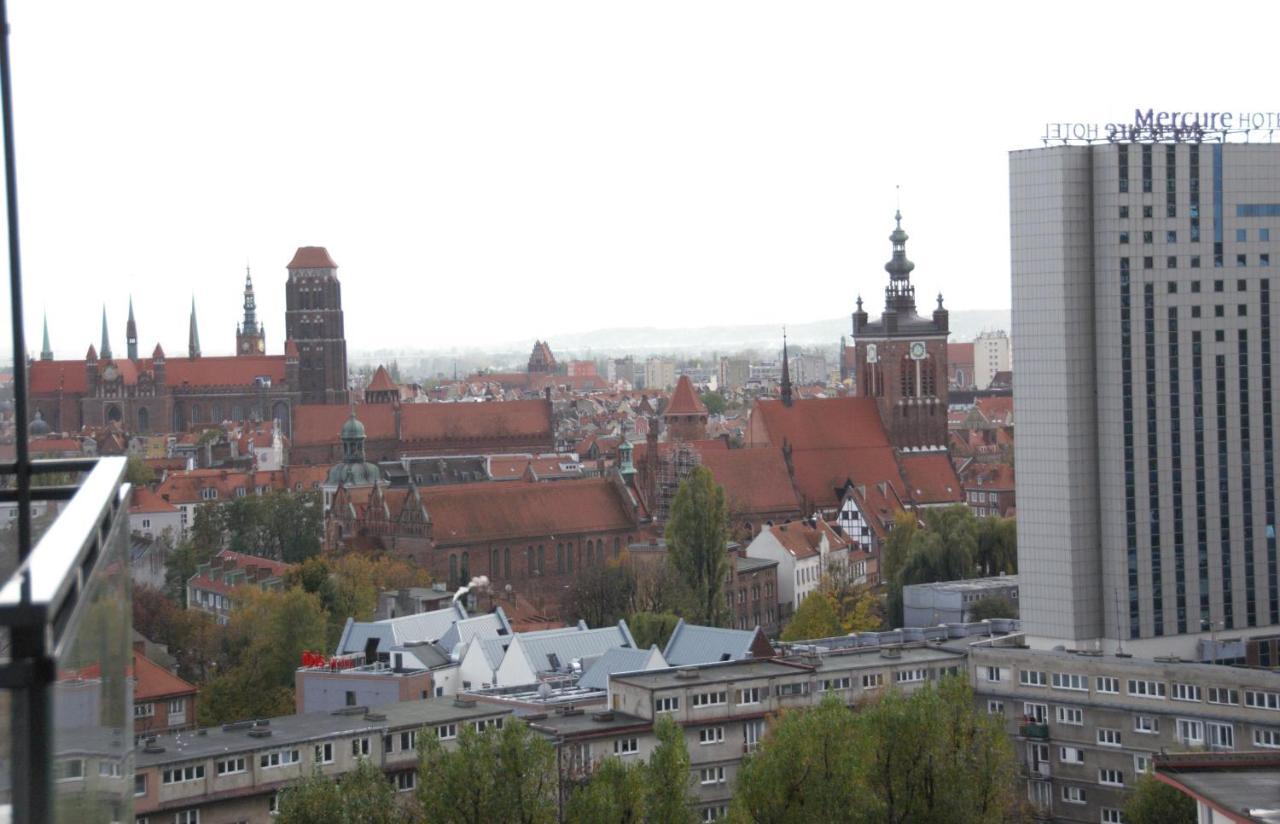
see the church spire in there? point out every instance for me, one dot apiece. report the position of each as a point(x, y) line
point(193, 334)
point(105, 352)
point(250, 305)
point(46, 352)
point(786, 371)
point(899, 295)
point(131, 334)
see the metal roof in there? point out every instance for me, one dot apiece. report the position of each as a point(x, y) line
point(596, 675)
point(553, 651)
point(694, 644)
point(407, 629)
point(492, 625)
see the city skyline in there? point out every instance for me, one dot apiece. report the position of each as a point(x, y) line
point(666, 162)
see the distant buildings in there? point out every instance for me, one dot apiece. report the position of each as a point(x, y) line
point(732, 373)
point(209, 590)
point(950, 602)
point(659, 373)
point(992, 354)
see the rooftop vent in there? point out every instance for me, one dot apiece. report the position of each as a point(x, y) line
point(464, 703)
point(258, 732)
point(602, 716)
point(153, 748)
point(687, 672)
point(375, 716)
point(536, 716)
point(237, 726)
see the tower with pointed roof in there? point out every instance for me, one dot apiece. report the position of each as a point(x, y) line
point(105, 351)
point(193, 333)
point(46, 352)
point(313, 321)
point(131, 334)
point(251, 339)
point(901, 358)
point(686, 415)
point(786, 372)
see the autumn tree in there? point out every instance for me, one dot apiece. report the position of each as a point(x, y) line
point(601, 593)
point(361, 796)
point(815, 618)
point(504, 775)
point(193, 637)
point(652, 628)
point(348, 586)
point(1155, 802)
point(696, 538)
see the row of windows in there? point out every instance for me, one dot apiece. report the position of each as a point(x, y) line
point(1171, 235)
point(1141, 688)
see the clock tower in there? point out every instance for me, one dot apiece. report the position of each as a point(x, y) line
point(251, 338)
point(900, 360)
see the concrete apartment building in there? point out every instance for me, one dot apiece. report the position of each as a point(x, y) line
point(992, 353)
point(1142, 306)
point(233, 774)
point(1086, 724)
point(949, 602)
point(659, 373)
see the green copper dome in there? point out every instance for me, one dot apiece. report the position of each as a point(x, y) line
point(354, 469)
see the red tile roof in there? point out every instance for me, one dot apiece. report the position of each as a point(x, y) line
point(996, 408)
point(478, 421)
point(223, 371)
point(823, 423)
point(312, 257)
point(931, 479)
point(47, 377)
point(802, 540)
point(322, 423)
point(152, 681)
point(546, 467)
point(504, 510)
point(754, 480)
point(381, 381)
point(960, 353)
point(684, 401)
point(214, 580)
point(185, 487)
point(989, 476)
point(144, 500)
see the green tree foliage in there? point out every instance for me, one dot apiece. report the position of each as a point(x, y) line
point(348, 586)
point(193, 637)
point(667, 796)
point(943, 548)
point(652, 628)
point(995, 606)
point(1154, 802)
point(504, 775)
point(282, 525)
point(138, 472)
point(616, 794)
point(816, 618)
point(997, 546)
point(928, 757)
point(266, 637)
point(696, 536)
point(714, 402)
point(362, 796)
point(181, 563)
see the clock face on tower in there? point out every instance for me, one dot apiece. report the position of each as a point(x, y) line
point(244, 346)
point(261, 346)
point(917, 350)
point(873, 355)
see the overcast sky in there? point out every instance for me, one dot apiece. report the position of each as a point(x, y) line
point(488, 172)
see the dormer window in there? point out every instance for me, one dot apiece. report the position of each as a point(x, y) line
point(209, 494)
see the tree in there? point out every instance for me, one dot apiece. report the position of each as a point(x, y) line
point(652, 628)
point(926, 757)
point(138, 472)
point(995, 606)
point(997, 546)
point(1155, 802)
point(658, 587)
point(348, 586)
point(815, 618)
point(616, 794)
point(193, 637)
point(714, 402)
point(696, 539)
point(181, 563)
point(504, 775)
point(292, 525)
point(857, 603)
point(362, 796)
point(667, 797)
point(602, 593)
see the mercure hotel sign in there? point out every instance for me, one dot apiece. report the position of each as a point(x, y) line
point(1164, 126)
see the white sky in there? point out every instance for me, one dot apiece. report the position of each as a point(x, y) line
point(484, 172)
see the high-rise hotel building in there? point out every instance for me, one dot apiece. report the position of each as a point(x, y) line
point(1143, 306)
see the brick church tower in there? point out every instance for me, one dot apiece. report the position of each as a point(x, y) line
point(901, 359)
point(313, 322)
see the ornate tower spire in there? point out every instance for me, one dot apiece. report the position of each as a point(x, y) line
point(786, 371)
point(193, 334)
point(250, 306)
point(46, 352)
point(131, 334)
point(899, 295)
point(250, 336)
point(105, 352)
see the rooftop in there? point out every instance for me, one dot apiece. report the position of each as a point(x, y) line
point(726, 671)
point(1244, 786)
point(972, 584)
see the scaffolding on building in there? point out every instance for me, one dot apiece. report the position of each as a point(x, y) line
point(672, 470)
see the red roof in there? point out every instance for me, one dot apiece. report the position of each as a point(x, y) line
point(802, 540)
point(186, 487)
point(152, 681)
point(382, 381)
point(996, 408)
point(931, 478)
point(315, 423)
point(215, 580)
point(960, 353)
point(989, 476)
point(48, 377)
point(684, 401)
point(823, 423)
point(312, 257)
point(755, 481)
point(475, 421)
point(144, 500)
point(504, 510)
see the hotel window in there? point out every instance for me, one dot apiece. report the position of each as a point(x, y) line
point(1195, 264)
point(1148, 262)
point(1146, 211)
point(1242, 285)
point(1195, 311)
point(1171, 236)
point(1264, 235)
point(1171, 262)
point(1124, 237)
point(1218, 286)
point(1242, 310)
point(1219, 311)
point(1190, 732)
point(1124, 212)
point(710, 735)
point(1148, 238)
point(1242, 260)
point(1264, 259)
